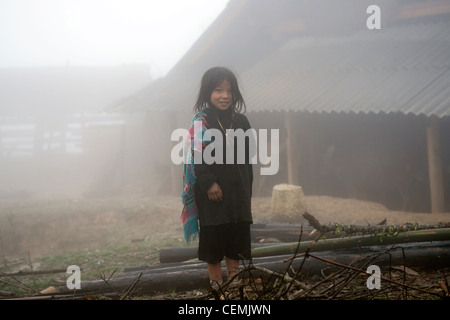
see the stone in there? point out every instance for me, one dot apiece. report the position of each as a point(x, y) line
point(288, 203)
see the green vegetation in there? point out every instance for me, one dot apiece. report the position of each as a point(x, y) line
point(95, 264)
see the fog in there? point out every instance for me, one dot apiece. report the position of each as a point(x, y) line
point(66, 162)
point(65, 65)
point(83, 85)
point(102, 33)
point(62, 64)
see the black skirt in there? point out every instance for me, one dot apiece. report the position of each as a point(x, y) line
point(231, 240)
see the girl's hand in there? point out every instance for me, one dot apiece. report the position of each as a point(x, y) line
point(215, 192)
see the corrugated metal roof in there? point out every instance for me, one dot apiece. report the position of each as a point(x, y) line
point(400, 69)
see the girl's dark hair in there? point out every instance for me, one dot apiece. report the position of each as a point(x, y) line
point(210, 80)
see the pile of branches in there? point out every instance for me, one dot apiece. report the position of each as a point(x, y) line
point(345, 282)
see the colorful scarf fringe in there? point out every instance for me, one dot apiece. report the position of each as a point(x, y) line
point(194, 142)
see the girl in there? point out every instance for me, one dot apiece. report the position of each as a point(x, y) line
point(217, 196)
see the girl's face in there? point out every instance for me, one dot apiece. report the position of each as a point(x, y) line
point(222, 96)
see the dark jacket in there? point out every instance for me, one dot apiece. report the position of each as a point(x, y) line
point(234, 179)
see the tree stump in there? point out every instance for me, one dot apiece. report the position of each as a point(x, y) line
point(288, 203)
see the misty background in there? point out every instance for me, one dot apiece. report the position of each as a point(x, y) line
point(90, 92)
point(62, 64)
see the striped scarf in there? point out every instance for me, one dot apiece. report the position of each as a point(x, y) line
point(194, 142)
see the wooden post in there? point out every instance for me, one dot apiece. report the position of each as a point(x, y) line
point(435, 165)
point(290, 151)
point(307, 163)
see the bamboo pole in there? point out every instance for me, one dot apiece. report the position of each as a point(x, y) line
point(357, 241)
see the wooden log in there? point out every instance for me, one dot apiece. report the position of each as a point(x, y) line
point(338, 230)
point(169, 255)
point(419, 255)
point(184, 277)
point(282, 233)
point(191, 276)
point(357, 241)
point(291, 233)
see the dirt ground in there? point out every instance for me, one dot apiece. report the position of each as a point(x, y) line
point(54, 226)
